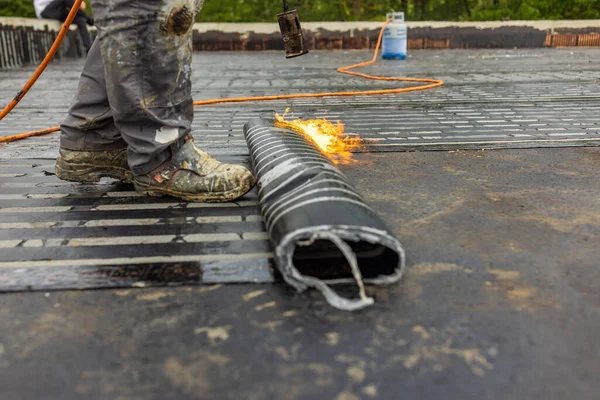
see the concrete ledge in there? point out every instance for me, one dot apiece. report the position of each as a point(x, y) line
point(428, 34)
point(557, 26)
point(571, 26)
point(25, 40)
point(35, 23)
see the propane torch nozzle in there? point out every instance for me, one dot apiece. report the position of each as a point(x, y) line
point(291, 31)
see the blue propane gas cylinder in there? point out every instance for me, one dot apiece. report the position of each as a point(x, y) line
point(394, 38)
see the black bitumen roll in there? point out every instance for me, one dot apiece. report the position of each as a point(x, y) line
point(322, 231)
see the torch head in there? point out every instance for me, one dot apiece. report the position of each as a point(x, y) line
point(291, 31)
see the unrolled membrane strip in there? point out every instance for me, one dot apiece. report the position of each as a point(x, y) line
point(322, 231)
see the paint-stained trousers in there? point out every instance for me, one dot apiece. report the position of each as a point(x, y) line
point(135, 88)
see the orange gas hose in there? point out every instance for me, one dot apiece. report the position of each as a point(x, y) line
point(40, 69)
point(430, 83)
point(26, 135)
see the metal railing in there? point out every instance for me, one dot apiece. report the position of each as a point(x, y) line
point(22, 45)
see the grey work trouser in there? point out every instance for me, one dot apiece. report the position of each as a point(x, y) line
point(135, 88)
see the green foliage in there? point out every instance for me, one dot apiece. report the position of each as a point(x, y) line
point(374, 10)
point(23, 8)
point(415, 10)
point(17, 8)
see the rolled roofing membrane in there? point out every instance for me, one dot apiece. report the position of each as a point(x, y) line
point(322, 231)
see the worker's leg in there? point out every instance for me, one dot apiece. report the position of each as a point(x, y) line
point(81, 21)
point(146, 51)
point(55, 10)
point(59, 10)
point(89, 124)
point(91, 146)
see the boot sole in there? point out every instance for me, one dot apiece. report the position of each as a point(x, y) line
point(223, 197)
point(88, 173)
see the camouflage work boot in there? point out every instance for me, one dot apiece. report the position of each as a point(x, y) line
point(194, 175)
point(90, 166)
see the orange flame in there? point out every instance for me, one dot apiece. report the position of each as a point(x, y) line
point(328, 136)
